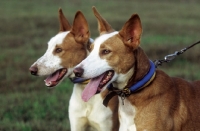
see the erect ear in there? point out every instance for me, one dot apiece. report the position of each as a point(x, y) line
point(103, 25)
point(64, 24)
point(131, 31)
point(80, 28)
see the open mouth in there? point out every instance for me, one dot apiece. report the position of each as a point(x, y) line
point(96, 85)
point(55, 78)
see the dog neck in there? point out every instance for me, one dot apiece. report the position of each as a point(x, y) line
point(143, 72)
point(123, 79)
point(138, 71)
point(141, 66)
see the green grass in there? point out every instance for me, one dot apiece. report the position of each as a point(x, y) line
point(35, 110)
point(26, 27)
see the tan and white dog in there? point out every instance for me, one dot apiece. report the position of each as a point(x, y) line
point(65, 50)
point(150, 100)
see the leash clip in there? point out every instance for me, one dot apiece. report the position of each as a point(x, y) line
point(170, 57)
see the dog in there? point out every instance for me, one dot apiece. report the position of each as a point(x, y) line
point(65, 50)
point(149, 99)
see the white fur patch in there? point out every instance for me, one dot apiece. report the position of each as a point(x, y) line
point(93, 65)
point(127, 114)
point(49, 63)
point(93, 111)
point(121, 79)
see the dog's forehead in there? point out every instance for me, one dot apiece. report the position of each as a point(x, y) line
point(101, 39)
point(58, 39)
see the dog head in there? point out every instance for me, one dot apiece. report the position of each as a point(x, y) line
point(113, 56)
point(65, 50)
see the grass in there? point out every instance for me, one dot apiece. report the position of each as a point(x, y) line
point(35, 110)
point(26, 27)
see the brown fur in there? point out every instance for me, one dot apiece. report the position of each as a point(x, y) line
point(103, 25)
point(73, 47)
point(116, 48)
point(80, 28)
point(171, 103)
point(64, 24)
point(73, 53)
point(167, 103)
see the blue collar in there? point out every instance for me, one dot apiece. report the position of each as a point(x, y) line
point(140, 84)
point(79, 80)
point(145, 80)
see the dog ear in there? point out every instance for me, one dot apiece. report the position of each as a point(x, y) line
point(131, 31)
point(103, 25)
point(80, 28)
point(64, 24)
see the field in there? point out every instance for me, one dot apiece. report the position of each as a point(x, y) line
point(26, 104)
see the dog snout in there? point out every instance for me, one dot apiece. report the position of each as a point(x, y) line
point(78, 71)
point(33, 70)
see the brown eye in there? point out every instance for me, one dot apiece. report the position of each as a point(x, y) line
point(58, 50)
point(106, 51)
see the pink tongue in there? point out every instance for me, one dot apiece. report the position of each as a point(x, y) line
point(91, 88)
point(52, 78)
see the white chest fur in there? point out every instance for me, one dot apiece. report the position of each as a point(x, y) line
point(92, 112)
point(126, 116)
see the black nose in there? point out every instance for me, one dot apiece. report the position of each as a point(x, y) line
point(33, 70)
point(78, 72)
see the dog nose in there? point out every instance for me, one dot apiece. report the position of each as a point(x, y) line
point(33, 70)
point(78, 72)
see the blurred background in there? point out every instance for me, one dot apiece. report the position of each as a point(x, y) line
point(26, 26)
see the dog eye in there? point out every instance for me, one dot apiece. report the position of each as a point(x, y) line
point(106, 51)
point(58, 50)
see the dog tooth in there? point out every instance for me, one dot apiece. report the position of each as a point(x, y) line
point(109, 77)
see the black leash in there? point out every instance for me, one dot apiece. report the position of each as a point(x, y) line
point(170, 57)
